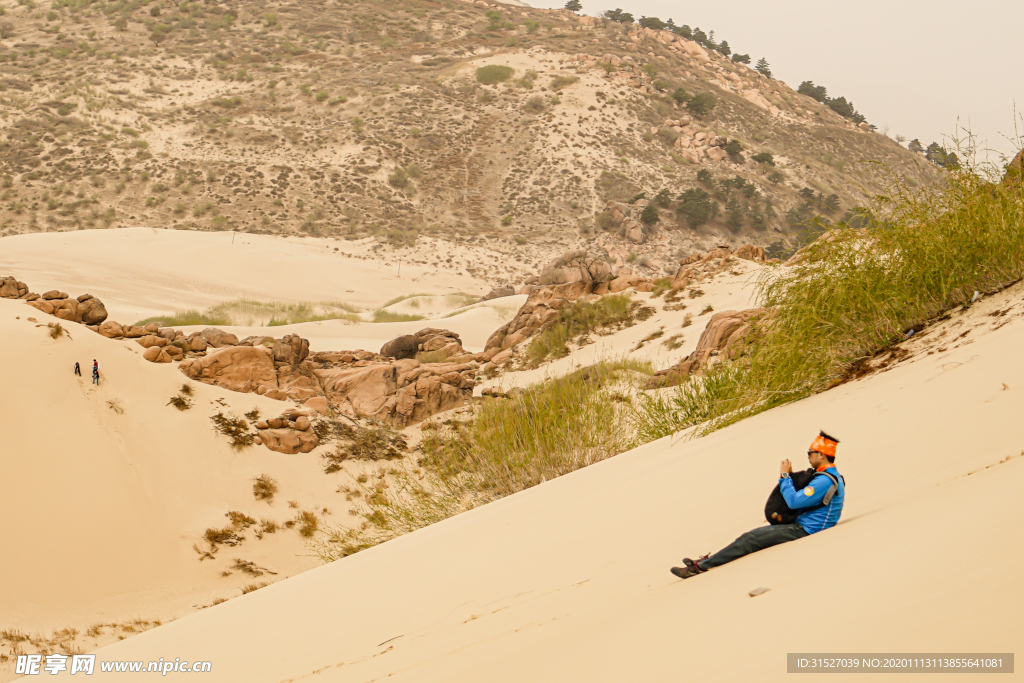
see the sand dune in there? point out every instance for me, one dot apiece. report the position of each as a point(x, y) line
point(142, 272)
point(111, 486)
point(474, 324)
point(568, 580)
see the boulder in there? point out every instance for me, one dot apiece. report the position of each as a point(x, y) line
point(155, 354)
point(91, 310)
point(219, 338)
point(42, 305)
point(291, 350)
point(624, 282)
point(716, 154)
point(198, 344)
point(750, 253)
point(319, 404)
point(427, 339)
point(236, 368)
point(498, 293)
point(289, 441)
point(151, 340)
point(400, 347)
point(302, 423)
point(151, 328)
point(133, 331)
point(11, 288)
point(66, 309)
point(111, 329)
point(174, 352)
point(360, 391)
point(55, 294)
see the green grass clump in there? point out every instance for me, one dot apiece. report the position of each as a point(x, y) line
point(577, 319)
point(399, 299)
point(183, 318)
point(494, 73)
point(382, 316)
point(248, 312)
point(858, 291)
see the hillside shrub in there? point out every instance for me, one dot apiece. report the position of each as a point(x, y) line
point(702, 104)
point(494, 73)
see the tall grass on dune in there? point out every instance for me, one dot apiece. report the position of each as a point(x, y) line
point(857, 292)
point(510, 445)
point(249, 312)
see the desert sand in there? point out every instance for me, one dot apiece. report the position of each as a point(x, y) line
point(143, 272)
point(569, 580)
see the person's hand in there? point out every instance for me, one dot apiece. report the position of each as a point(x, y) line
point(785, 467)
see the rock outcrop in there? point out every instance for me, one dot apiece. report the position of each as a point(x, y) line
point(722, 338)
point(235, 368)
point(442, 344)
point(85, 309)
point(542, 306)
point(12, 289)
point(498, 293)
point(400, 392)
point(697, 267)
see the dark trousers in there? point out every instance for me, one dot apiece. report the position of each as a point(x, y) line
point(754, 540)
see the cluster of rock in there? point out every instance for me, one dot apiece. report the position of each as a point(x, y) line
point(85, 309)
point(723, 337)
point(542, 307)
point(627, 218)
point(440, 344)
point(397, 391)
point(695, 145)
point(699, 267)
point(291, 432)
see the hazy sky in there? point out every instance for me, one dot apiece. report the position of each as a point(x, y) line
point(915, 66)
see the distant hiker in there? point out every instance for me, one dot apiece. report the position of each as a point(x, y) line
point(95, 374)
point(78, 369)
point(819, 504)
point(95, 366)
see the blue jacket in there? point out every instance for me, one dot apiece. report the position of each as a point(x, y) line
point(811, 496)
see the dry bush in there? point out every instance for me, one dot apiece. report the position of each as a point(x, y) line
point(235, 428)
point(376, 442)
point(264, 488)
point(308, 523)
point(253, 587)
point(180, 402)
point(250, 568)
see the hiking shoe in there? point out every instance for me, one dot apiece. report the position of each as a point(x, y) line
point(689, 568)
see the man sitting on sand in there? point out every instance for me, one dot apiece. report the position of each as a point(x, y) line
point(822, 499)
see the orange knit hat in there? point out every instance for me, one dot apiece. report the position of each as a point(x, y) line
point(825, 444)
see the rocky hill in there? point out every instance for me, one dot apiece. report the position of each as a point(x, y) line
point(363, 118)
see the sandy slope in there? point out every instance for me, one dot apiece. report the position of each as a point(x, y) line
point(569, 580)
point(102, 507)
point(142, 272)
